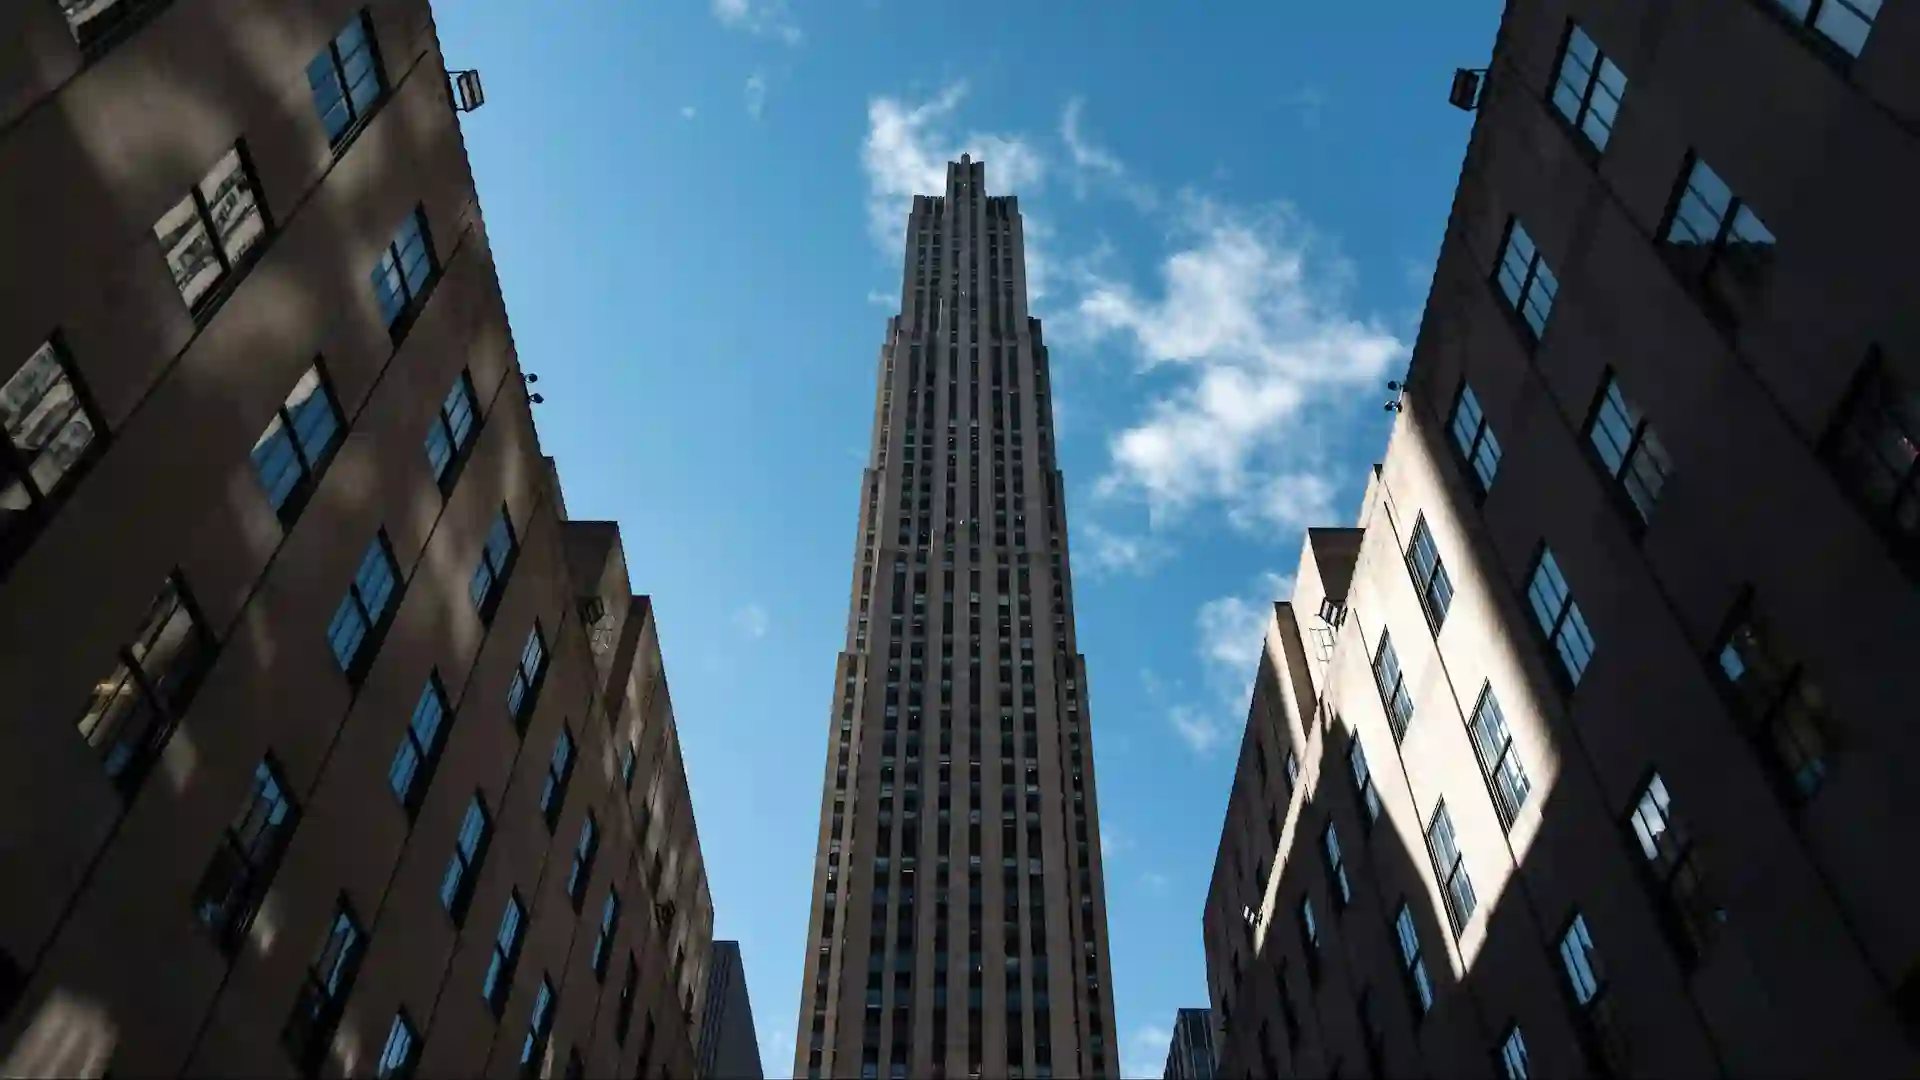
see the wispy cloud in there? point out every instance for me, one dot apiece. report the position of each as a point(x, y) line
point(1103, 552)
point(761, 18)
point(1113, 841)
point(1145, 1051)
point(879, 299)
point(1096, 165)
point(688, 112)
point(1255, 314)
point(1199, 728)
point(756, 94)
point(751, 621)
point(1231, 632)
point(906, 153)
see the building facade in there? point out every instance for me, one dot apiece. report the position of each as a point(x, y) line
point(729, 1048)
point(330, 746)
point(1190, 1054)
point(1586, 752)
point(959, 915)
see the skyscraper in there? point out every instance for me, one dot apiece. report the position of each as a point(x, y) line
point(1190, 1050)
point(729, 1047)
point(959, 914)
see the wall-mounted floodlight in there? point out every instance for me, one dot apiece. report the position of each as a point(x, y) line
point(468, 94)
point(1465, 94)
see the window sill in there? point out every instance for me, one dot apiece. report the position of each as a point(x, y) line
point(339, 146)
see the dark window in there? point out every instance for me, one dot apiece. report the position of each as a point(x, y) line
point(1846, 23)
point(496, 560)
point(290, 454)
point(623, 1019)
point(413, 763)
point(609, 926)
point(553, 795)
point(506, 954)
point(1559, 618)
point(405, 269)
point(1874, 450)
point(361, 618)
point(1513, 1054)
point(1629, 448)
point(533, 1049)
point(1336, 868)
point(452, 430)
point(1778, 704)
point(526, 677)
point(1715, 238)
point(135, 709)
point(100, 22)
point(1310, 938)
point(627, 761)
point(1525, 279)
point(576, 1068)
point(243, 865)
point(1363, 783)
point(1393, 687)
point(1419, 989)
point(1499, 761)
point(463, 869)
point(1474, 438)
point(584, 851)
point(346, 79)
point(401, 1052)
point(208, 233)
point(1691, 916)
point(1588, 88)
point(1429, 574)
point(1293, 772)
point(323, 993)
point(1587, 983)
point(51, 431)
point(1450, 868)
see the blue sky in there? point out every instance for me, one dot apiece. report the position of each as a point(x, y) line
point(1233, 211)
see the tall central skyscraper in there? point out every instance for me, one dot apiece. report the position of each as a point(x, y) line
point(959, 911)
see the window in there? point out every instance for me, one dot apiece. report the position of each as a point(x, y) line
point(1513, 1054)
point(1874, 450)
point(559, 770)
point(1679, 880)
point(1715, 238)
point(398, 1058)
point(1393, 687)
point(1474, 439)
point(405, 269)
point(1363, 783)
point(323, 993)
point(463, 869)
point(1429, 575)
point(583, 852)
point(496, 558)
point(1419, 989)
point(1293, 771)
point(1309, 938)
point(623, 1019)
point(289, 456)
point(1629, 448)
point(51, 428)
point(243, 865)
point(1336, 869)
point(345, 79)
point(207, 234)
point(1587, 983)
point(526, 677)
point(361, 617)
point(1846, 23)
point(609, 926)
point(506, 953)
point(533, 1050)
point(452, 430)
point(1450, 868)
point(134, 710)
point(1559, 618)
point(96, 23)
point(412, 768)
point(1499, 761)
point(627, 762)
point(1525, 279)
point(1588, 88)
point(1777, 703)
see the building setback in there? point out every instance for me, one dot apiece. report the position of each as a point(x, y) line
point(729, 1048)
point(959, 913)
point(330, 745)
point(1190, 1053)
point(1589, 751)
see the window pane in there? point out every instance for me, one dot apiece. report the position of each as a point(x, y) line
point(1847, 22)
point(374, 580)
point(1513, 1055)
point(44, 419)
point(459, 411)
point(345, 633)
point(1486, 463)
point(389, 289)
point(1577, 956)
point(275, 462)
point(396, 1059)
point(329, 98)
point(315, 422)
point(439, 450)
point(1547, 592)
point(1574, 643)
point(1467, 420)
point(232, 206)
point(400, 774)
point(1703, 207)
point(1613, 428)
point(189, 250)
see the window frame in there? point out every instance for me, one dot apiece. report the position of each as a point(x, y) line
point(413, 299)
point(240, 885)
point(523, 693)
point(553, 793)
point(1567, 614)
point(407, 1036)
point(1427, 581)
point(1822, 43)
point(1413, 966)
point(156, 714)
point(1876, 392)
point(16, 467)
point(355, 668)
point(1364, 790)
point(459, 446)
point(1494, 761)
point(358, 117)
point(609, 929)
point(232, 270)
point(467, 862)
point(1700, 267)
point(1483, 438)
point(533, 1049)
point(322, 997)
point(1577, 123)
point(1335, 860)
point(1391, 698)
point(1512, 1053)
point(1675, 876)
point(312, 465)
point(1590, 999)
point(425, 755)
point(586, 852)
point(497, 985)
point(1612, 398)
point(1456, 884)
point(1516, 306)
point(495, 568)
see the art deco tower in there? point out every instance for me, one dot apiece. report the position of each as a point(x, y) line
point(959, 914)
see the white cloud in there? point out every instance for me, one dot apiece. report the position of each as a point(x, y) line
point(879, 299)
point(1198, 728)
point(1256, 316)
point(751, 621)
point(761, 18)
point(1145, 1052)
point(1231, 632)
point(906, 154)
point(756, 93)
point(688, 112)
point(1094, 164)
point(1103, 552)
point(1113, 841)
